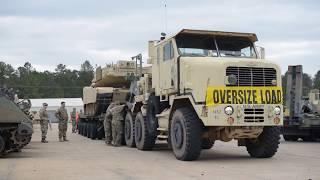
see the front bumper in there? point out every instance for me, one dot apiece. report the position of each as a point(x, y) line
point(243, 115)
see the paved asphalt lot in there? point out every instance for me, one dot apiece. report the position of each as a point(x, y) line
point(85, 159)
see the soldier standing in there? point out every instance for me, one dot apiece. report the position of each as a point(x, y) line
point(44, 121)
point(62, 116)
point(117, 125)
point(107, 123)
point(73, 116)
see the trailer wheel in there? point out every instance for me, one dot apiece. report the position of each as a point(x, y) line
point(94, 131)
point(266, 145)
point(290, 138)
point(185, 134)
point(79, 128)
point(143, 139)
point(87, 129)
point(129, 130)
point(207, 143)
point(2, 145)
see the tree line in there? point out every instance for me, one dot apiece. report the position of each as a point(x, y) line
point(67, 83)
point(30, 83)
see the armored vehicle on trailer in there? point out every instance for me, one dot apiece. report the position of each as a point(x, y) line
point(110, 83)
point(302, 114)
point(205, 86)
point(15, 122)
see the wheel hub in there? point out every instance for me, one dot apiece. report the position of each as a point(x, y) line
point(178, 135)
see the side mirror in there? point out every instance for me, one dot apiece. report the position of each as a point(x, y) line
point(261, 52)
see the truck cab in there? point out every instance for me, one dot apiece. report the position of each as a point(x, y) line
point(208, 86)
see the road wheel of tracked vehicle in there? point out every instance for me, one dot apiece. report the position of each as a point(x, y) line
point(207, 143)
point(143, 139)
point(129, 130)
point(266, 145)
point(185, 134)
point(2, 145)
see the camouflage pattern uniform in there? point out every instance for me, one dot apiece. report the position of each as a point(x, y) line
point(44, 121)
point(62, 116)
point(117, 124)
point(73, 116)
point(107, 123)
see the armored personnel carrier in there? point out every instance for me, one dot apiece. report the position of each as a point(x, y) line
point(15, 122)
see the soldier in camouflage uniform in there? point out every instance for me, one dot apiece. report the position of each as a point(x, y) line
point(73, 116)
point(117, 124)
point(44, 121)
point(62, 116)
point(107, 123)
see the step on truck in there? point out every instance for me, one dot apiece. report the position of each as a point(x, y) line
point(205, 86)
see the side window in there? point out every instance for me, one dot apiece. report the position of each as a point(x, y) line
point(168, 51)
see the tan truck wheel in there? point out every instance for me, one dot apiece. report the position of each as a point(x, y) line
point(266, 145)
point(143, 139)
point(185, 134)
point(129, 130)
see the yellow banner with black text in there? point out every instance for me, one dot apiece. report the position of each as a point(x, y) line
point(243, 95)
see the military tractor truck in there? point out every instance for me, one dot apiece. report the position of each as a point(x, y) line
point(205, 86)
point(15, 122)
point(302, 114)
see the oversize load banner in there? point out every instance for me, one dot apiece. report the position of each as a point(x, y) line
point(244, 95)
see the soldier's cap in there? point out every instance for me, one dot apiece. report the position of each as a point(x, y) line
point(45, 104)
point(63, 102)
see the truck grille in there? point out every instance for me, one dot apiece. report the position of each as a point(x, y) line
point(253, 115)
point(252, 76)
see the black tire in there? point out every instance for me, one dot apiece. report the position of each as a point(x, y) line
point(207, 143)
point(129, 130)
point(143, 139)
point(290, 138)
point(87, 129)
point(266, 145)
point(2, 145)
point(79, 128)
point(185, 134)
point(84, 129)
point(308, 139)
point(94, 131)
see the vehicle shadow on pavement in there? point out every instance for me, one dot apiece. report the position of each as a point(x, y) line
point(209, 155)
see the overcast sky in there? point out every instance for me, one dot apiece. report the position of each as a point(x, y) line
point(49, 32)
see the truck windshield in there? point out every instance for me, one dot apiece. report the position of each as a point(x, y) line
point(208, 46)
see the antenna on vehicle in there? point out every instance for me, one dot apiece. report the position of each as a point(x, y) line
point(165, 17)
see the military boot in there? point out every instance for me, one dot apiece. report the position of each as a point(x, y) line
point(44, 140)
point(60, 140)
point(65, 139)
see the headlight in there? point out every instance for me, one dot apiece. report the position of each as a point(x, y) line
point(228, 110)
point(277, 110)
point(232, 79)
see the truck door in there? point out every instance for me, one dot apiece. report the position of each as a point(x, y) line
point(166, 68)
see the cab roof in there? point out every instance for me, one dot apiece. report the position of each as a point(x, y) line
point(251, 36)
